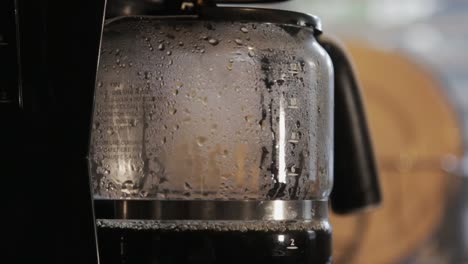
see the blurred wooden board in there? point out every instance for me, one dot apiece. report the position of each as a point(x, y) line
point(413, 127)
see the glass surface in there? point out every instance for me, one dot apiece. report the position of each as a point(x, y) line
point(197, 110)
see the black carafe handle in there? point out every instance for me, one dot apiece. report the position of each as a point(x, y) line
point(356, 183)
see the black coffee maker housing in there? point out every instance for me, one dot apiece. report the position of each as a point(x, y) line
point(48, 57)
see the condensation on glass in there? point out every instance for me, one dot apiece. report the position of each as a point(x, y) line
point(200, 111)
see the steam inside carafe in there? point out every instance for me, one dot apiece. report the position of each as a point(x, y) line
point(194, 110)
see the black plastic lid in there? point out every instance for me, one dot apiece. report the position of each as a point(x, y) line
point(118, 8)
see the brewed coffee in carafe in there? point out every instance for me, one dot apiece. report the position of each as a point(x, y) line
point(212, 138)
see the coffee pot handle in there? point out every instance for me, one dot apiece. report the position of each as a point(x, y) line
point(356, 184)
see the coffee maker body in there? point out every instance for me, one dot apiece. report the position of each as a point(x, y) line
point(50, 103)
point(48, 59)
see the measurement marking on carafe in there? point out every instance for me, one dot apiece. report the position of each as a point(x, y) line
point(294, 138)
point(293, 103)
point(292, 172)
point(292, 245)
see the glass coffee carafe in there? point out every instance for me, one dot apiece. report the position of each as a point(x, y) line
point(213, 137)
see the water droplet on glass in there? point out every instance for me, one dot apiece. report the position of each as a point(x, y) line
point(186, 120)
point(213, 41)
point(163, 180)
point(127, 186)
point(173, 111)
point(181, 43)
point(249, 118)
point(110, 186)
point(244, 29)
point(147, 75)
point(238, 41)
point(169, 53)
point(205, 100)
point(99, 84)
point(279, 81)
point(201, 141)
point(187, 186)
point(251, 53)
point(176, 92)
point(298, 124)
point(161, 46)
point(117, 52)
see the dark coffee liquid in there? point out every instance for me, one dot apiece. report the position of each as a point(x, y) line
point(132, 246)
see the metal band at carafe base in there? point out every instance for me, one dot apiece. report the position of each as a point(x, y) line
point(276, 210)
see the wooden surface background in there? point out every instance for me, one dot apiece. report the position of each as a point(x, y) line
point(413, 129)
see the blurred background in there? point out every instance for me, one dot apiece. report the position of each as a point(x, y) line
point(411, 57)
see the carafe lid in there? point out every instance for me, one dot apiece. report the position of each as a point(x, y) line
point(118, 8)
